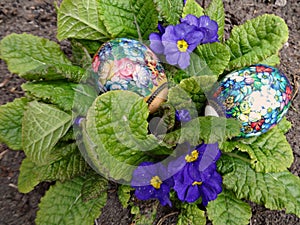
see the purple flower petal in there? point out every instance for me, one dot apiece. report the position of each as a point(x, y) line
point(211, 188)
point(192, 194)
point(184, 60)
point(152, 181)
point(198, 177)
point(156, 43)
point(190, 19)
point(183, 115)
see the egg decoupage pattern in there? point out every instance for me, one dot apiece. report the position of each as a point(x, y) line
point(126, 64)
point(258, 96)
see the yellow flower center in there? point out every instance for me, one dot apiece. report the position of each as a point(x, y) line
point(156, 182)
point(197, 183)
point(182, 45)
point(192, 157)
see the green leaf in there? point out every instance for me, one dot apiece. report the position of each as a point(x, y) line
point(191, 214)
point(215, 11)
point(28, 177)
point(192, 7)
point(83, 99)
point(256, 40)
point(43, 126)
point(116, 137)
point(170, 11)
point(25, 52)
point(11, 115)
point(80, 19)
point(269, 152)
point(284, 125)
point(145, 16)
point(124, 194)
point(94, 186)
point(81, 55)
point(67, 163)
point(129, 18)
point(145, 217)
point(209, 59)
point(229, 210)
point(206, 129)
point(63, 204)
point(276, 191)
point(55, 72)
point(272, 60)
point(191, 94)
point(60, 93)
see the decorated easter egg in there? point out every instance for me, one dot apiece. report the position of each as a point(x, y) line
point(126, 64)
point(258, 96)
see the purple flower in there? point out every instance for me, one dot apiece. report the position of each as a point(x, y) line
point(155, 40)
point(204, 24)
point(152, 181)
point(179, 41)
point(183, 115)
point(195, 173)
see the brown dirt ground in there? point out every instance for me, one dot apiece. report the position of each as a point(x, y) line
point(38, 17)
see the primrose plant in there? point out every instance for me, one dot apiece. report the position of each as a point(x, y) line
point(164, 109)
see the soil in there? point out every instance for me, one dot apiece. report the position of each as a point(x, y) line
point(38, 17)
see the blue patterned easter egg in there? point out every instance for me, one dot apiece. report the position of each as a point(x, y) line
point(126, 64)
point(258, 96)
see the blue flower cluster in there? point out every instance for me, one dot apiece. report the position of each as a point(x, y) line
point(177, 42)
point(192, 174)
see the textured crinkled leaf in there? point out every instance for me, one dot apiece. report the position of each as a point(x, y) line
point(59, 93)
point(192, 7)
point(42, 127)
point(215, 11)
point(94, 186)
point(272, 60)
point(11, 115)
point(209, 59)
point(206, 129)
point(28, 177)
point(117, 134)
point(146, 217)
point(128, 18)
point(80, 19)
point(191, 214)
point(63, 204)
point(83, 99)
point(256, 40)
point(191, 94)
point(269, 152)
point(67, 164)
point(146, 17)
point(276, 191)
point(169, 10)
point(82, 51)
point(55, 72)
point(284, 125)
point(124, 195)
point(229, 210)
point(25, 52)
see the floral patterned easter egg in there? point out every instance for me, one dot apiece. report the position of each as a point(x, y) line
point(126, 64)
point(258, 96)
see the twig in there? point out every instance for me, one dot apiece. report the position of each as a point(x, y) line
point(165, 217)
point(3, 153)
point(13, 185)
